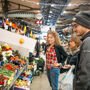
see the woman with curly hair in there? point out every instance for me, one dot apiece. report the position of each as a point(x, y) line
point(55, 57)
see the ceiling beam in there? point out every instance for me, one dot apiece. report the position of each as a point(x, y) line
point(20, 4)
point(21, 15)
point(25, 9)
point(68, 16)
point(22, 10)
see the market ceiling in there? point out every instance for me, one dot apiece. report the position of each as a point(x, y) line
point(72, 8)
point(52, 9)
point(23, 11)
point(55, 12)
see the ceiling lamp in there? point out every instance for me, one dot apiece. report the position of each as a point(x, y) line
point(65, 12)
point(69, 4)
point(39, 16)
point(52, 5)
point(38, 11)
point(49, 16)
point(59, 21)
point(50, 11)
point(37, 3)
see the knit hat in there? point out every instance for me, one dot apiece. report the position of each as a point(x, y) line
point(83, 18)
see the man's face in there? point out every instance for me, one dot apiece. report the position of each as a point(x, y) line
point(80, 30)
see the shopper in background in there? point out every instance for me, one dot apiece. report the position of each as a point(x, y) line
point(75, 44)
point(43, 46)
point(81, 25)
point(37, 48)
point(55, 57)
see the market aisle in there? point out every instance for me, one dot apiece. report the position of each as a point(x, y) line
point(40, 83)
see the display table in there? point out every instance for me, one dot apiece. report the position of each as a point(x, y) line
point(12, 39)
point(16, 77)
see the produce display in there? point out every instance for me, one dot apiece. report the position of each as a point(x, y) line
point(3, 80)
point(21, 83)
point(13, 69)
point(16, 60)
point(5, 47)
point(11, 63)
point(6, 72)
point(24, 80)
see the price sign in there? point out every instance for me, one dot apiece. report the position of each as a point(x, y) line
point(39, 22)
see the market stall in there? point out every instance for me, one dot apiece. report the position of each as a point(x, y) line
point(13, 40)
point(14, 61)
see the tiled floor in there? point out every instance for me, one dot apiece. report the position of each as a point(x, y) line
point(41, 82)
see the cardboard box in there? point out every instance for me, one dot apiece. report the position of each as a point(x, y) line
point(30, 66)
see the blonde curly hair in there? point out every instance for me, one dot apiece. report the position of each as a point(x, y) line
point(56, 36)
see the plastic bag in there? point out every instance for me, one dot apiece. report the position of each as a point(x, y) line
point(67, 80)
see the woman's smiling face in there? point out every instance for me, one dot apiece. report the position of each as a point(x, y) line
point(51, 39)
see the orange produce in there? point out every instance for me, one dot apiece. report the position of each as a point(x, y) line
point(21, 41)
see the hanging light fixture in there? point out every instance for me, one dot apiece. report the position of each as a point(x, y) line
point(39, 16)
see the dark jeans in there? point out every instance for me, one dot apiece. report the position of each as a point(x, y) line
point(53, 77)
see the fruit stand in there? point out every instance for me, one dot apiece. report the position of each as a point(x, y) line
point(15, 78)
point(14, 70)
point(14, 61)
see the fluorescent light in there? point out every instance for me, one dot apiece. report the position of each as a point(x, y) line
point(58, 21)
point(38, 11)
point(69, 4)
point(49, 16)
point(52, 5)
point(65, 12)
point(50, 11)
point(37, 3)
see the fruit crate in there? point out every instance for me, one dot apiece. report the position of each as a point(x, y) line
point(20, 88)
point(17, 88)
point(15, 78)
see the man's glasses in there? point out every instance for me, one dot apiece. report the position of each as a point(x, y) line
point(74, 25)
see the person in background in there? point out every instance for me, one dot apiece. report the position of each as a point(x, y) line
point(81, 26)
point(55, 57)
point(43, 46)
point(37, 48)
point(75, 44)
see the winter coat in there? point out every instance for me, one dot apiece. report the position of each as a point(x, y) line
point(82, 74)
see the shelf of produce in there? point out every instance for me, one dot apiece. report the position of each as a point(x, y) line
point(17, 88)
point(16, 77)
point(23, 88)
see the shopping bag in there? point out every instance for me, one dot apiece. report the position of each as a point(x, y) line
point(67, 81)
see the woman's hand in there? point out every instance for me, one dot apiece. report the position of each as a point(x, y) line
point(34, 53)
point(66, 66)
point(57, 65)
